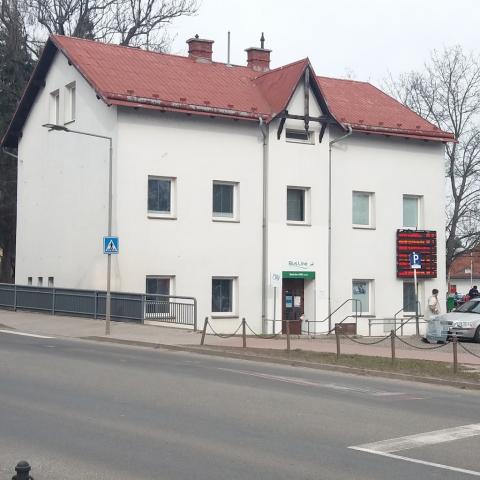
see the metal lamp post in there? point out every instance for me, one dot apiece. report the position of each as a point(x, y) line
point(61, 128)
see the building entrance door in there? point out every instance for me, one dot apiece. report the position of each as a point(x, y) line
point(292, 304)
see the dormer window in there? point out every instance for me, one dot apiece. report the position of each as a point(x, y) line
point(298, 136)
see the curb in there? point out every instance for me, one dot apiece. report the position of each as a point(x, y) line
point(294, 363)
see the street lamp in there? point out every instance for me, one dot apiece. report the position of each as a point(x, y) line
point(61, 128)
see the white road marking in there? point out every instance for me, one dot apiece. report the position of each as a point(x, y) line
point(422, 439)
point(332, 386)
point(385, 448)
point(24, 334)
point(421, 462)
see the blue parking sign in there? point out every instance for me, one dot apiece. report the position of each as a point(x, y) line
point(415, 260)
point(110, 245)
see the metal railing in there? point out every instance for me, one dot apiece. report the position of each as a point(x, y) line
point(92, 303)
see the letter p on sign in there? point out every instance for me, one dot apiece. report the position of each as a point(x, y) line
point(415, 260)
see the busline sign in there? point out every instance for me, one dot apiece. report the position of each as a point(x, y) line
point(422, 243)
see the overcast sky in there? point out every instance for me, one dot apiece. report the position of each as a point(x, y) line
point(362, 38)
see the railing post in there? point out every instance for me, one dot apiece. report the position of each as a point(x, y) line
point(337, 338)
point(15, 298)
point(369, 327)
point(288, 334)
point(95, 308)
point(194, 314)
point(23, 471)
point(392, 343)
point(202, 341)
point(417, 323)
point(53, 301)
point(244, 333)
point(455, 354)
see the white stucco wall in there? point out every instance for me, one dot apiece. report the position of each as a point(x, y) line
point(390, 168)
point(62, 188)
point(192, 247)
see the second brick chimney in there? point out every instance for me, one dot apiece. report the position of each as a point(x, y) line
point(259, 58)
point(200, 48)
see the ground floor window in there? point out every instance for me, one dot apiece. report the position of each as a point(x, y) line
point(408, 297)
point(362, 292)
point(157, 307)
point(29, 281)
point(50, 281)
point(222, 295)
point(158, 286)
point(40, 281)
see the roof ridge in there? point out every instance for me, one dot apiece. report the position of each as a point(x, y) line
point(343, 79)
point(138, 49)
point(288, 65)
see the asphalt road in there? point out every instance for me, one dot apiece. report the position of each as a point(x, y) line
point(84, 410)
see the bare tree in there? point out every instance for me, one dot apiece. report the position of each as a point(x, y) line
point(448, 94)
point(127, 22)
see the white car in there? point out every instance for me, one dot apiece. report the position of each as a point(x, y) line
point(464, 321)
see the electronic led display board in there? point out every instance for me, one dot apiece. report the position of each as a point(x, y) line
point(423, 242)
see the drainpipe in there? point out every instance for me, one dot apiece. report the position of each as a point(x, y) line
point(264, 130)
point(330, 144)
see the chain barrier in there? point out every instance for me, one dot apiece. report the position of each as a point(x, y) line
point(436, 347)
point(222, 335)
point(468, 350)
point(376, 342)
point(265, 337)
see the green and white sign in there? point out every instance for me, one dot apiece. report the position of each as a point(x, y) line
point(305, 275)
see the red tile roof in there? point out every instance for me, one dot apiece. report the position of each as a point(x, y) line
point(132, 77)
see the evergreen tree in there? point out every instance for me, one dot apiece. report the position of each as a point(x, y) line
point(15, 69)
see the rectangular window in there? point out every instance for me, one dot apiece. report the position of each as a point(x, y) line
point(222, 295)
point(408, 297)
point(29, 281)
point(155, 306)
point(55, 107)
point(362, 292)
point(70, 102)
point(50, 281)
point(224, 200)
point(161, 196)
point(411, 208)
point(299, 136)
point(296, 204)
point(157, 286)
point(362, 209)
point(40, 281)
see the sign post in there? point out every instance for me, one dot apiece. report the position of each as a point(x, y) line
point(416, 263)
point(110, 247)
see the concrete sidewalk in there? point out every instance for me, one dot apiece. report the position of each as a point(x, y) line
point(148, 335)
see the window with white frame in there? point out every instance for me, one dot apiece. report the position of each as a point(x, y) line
point(297, 204)
point(70, 102)
point(299, 136)
point(362, 209)
point(362, 294)
point(409, 297)
point(225, 200)
point(223, 293)
point(158, 306)
point(161, 197)
point(54, 116)
point(411, 211)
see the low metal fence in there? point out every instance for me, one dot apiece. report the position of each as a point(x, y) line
point(136, 307)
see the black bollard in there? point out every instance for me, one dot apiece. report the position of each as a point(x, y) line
point(23, 471)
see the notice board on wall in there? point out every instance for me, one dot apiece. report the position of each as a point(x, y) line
point(423, 242)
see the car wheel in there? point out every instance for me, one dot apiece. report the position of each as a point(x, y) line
point(476, 337)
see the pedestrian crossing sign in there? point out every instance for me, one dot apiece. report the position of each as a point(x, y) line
point(110, 245)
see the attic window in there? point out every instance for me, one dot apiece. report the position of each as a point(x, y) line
point(298, 136)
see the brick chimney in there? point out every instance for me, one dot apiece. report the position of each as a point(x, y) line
point(200, 49)
point(258, 59)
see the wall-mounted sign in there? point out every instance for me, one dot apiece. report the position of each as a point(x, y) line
point(303, 264)
point(276, 279)
point(422, 242)
point(306, 275)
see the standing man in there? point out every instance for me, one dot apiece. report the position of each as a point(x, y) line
point(434, 330)
point(433, 305)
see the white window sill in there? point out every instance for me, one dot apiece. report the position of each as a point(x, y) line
point(363, 227)
point(226, 219)
point(224, 315)
point(411, 228)
point(303, 142)
point(162, 216)
point(298, 224)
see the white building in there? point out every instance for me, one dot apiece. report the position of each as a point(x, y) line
point(221, 178)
